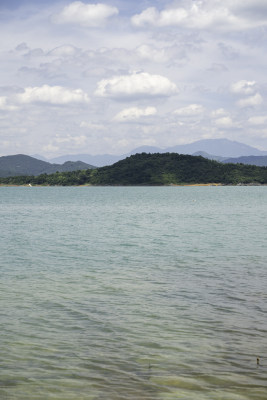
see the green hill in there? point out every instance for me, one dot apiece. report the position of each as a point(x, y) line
point(173, 168)
point(153, 169)
point(21, 164)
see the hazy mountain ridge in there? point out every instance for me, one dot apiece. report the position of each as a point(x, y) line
point(99, 160)
point(209, 156)
point(260, 161)
point(21, 164)
point(212, 149)
point(215, 149)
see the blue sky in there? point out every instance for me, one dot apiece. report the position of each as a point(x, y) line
point(88, 77)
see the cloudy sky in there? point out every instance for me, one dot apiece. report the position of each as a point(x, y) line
point(88, 77)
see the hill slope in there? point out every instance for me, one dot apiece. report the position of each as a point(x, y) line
point(21, 164)
point(154, 169)
point(172, 168)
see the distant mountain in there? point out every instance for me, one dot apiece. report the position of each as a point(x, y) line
point(21, 164)
point(39, 157)
point(260, 161)
point(215, 149)
point(97, 160)
point(220, 147)
point(208, 156)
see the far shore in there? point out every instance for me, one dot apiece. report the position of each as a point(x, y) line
point(167, 185)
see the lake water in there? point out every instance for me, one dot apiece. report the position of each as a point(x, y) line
point(139, 293)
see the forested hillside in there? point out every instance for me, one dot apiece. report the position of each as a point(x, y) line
point(153, 169)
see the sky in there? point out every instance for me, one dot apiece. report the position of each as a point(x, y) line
point(87, 77)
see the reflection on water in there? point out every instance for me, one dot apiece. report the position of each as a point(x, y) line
point(133, 293)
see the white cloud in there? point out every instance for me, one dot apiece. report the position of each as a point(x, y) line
point(219, 113)
point(197, 16)
point(258, 120)
point(151, 53)
point(90, 125)
point(50, 148)
point(88, 15)
point(191, 110)
point(205, 14)
point(63, 51)
point(133, 113)
point(243, 87)
point(225, 122)
point(136, 85)
point(177, 44)
point(68, 141)
point(251, 101)
point(4, 104)
point(74, 140)
point(56, 95)
point(151, 16)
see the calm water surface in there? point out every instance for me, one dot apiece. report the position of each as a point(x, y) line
point(133, 293)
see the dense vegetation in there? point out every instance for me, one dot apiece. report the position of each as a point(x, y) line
point(152, 169)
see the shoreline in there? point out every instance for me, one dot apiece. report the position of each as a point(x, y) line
point(167, 185)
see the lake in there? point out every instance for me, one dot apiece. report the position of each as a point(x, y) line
point(135, 293)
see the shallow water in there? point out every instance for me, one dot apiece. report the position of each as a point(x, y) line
point(133, 293)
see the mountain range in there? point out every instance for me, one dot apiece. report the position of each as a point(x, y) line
point(222, 150)
point(21, 164)
point(216, 149)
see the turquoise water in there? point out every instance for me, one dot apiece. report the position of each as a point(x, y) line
point(133, 293)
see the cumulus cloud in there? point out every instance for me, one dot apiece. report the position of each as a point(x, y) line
point(258, 120)
point(4, 104)
point(151, 16)
point(136, 85)
point(197, 16)
point(191, 110)
point(250, 101)
point(233, 14)
point(88, 15)
point(243, 87)
point(133, 113)
point(220, 112)
point(176, 44)
point(225, 122)
point(55, 95)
